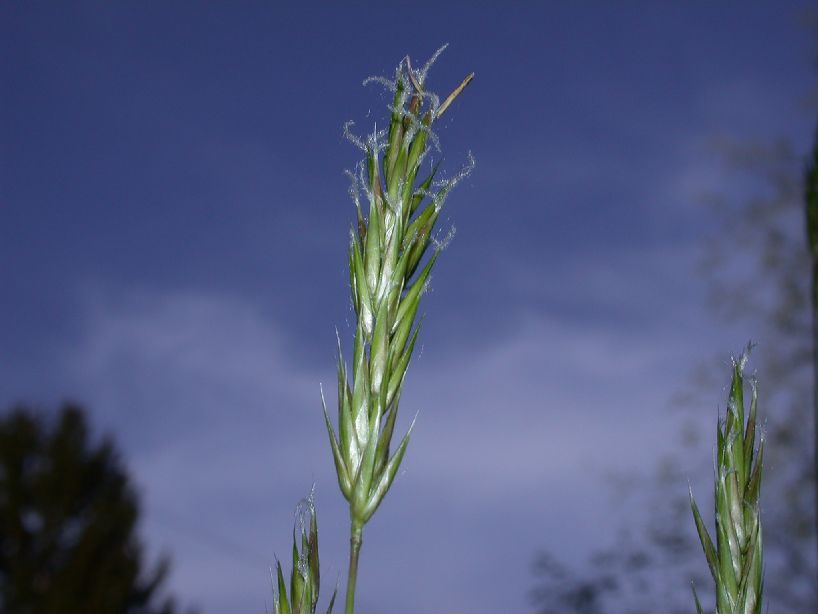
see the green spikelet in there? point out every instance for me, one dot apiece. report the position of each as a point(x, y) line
point(736, 559)
point(304, 577)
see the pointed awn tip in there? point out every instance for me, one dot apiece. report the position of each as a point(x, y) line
point(450, 98)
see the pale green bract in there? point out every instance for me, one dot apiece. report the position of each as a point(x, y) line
point(388, 277)
point(735, 561)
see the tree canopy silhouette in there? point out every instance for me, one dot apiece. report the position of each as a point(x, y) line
point(68, 516)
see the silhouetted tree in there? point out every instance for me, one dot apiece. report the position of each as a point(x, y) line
point(68, 516)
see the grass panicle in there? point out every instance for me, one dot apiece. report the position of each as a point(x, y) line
point(391, 255)
point(305, 578)
point(735, 560)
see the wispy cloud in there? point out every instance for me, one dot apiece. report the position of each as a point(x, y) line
point(224, 435)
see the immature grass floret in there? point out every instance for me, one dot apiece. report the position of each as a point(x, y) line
point(736, 560)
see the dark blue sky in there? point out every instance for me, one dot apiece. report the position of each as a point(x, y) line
point(173, 225)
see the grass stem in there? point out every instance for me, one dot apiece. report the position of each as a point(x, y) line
point(811, 202)
point(355, 541)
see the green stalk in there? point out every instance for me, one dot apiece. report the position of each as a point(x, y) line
point(384, 254)
point(815, 383)
point(811, 202)
point(355, 541)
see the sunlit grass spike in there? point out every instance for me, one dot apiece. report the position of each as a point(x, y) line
point(390, 246)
